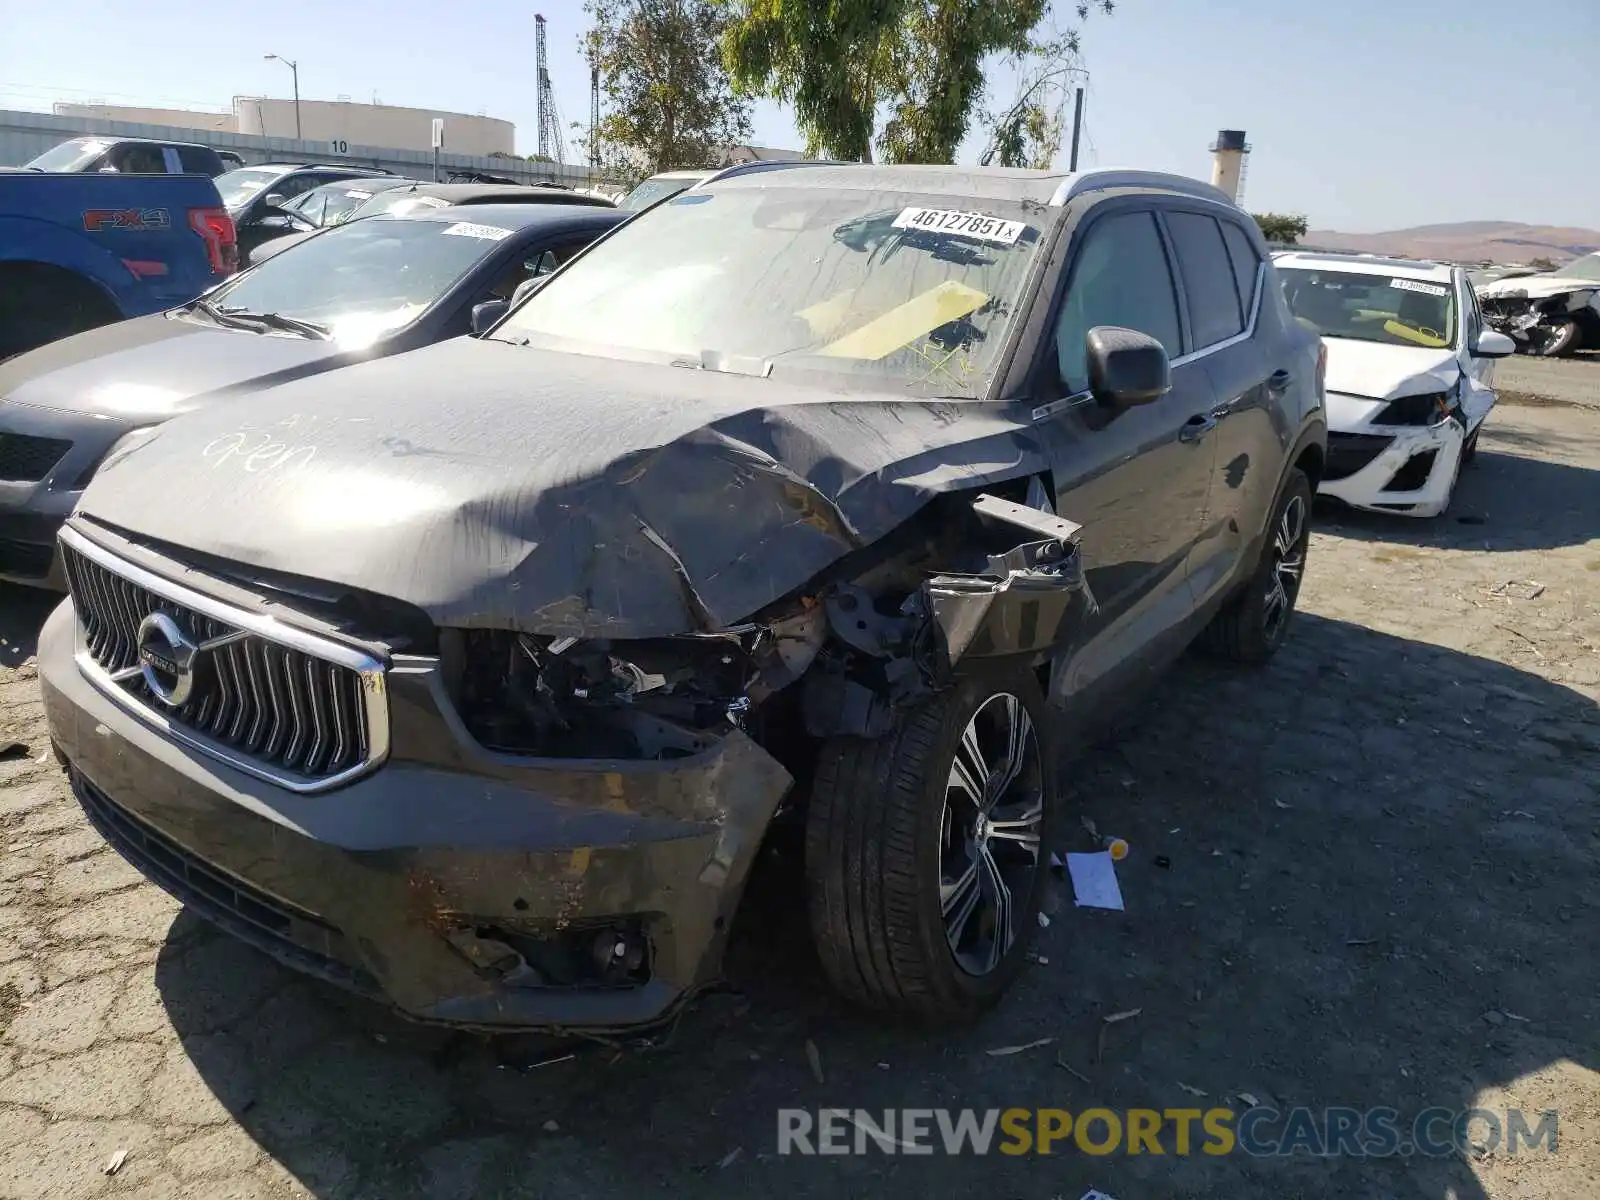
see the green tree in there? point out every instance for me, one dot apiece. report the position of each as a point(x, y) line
point(1281, 227)
point(842, 62)
point(1028, 132)
point(1543, 264)
point(667, 101)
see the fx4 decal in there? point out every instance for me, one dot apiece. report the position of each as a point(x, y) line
point(135, 219)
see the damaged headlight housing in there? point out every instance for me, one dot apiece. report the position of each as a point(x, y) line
point(1424, 408)
point(658, 698)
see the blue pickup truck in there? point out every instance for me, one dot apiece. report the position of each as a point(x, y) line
point(77, 251)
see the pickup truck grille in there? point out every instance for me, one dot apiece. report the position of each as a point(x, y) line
point(281, 705)
point(26, 459)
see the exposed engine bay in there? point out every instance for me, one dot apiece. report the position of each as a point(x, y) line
point(1551, 314)
point(862, 642)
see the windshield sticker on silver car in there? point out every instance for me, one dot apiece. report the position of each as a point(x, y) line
point(487, 232)
point(1412, 285)
point(960, 224)
point(358, 195)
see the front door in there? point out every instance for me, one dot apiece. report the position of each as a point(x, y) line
point(1135, 478)
point(1477, 374)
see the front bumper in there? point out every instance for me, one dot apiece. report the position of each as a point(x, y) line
point(1411, 475)
point(393, 885)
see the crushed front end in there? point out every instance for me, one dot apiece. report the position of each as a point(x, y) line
point(1399, 455)
point(313, 790)
point(487, 827)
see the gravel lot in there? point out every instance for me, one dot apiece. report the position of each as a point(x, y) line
point(1381, 891)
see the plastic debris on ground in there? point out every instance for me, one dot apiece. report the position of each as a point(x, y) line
point(1094, 881)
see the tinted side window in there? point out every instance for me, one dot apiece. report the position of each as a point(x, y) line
point(1246, 264)
point(293, 185)
point(1474, 323)
point(1120, 277)
point(199, 161)
point(1208, 282)
point(139, 159)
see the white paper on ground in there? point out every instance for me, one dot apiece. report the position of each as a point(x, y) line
point(1095, 1194)
point(1094, 880)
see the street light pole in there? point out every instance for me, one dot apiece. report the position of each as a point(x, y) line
point(294, 70)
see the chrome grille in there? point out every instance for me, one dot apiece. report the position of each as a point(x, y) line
point(279, 703)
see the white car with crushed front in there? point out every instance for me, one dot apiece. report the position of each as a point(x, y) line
point(1410, 375)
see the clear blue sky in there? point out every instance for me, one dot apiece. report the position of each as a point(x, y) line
point(1363, 114)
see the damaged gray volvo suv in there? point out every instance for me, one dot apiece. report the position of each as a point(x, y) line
point(472, 679)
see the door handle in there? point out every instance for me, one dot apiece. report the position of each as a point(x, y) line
point(1279, 381)
point(1197, 427)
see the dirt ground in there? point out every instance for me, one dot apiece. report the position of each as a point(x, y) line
point(1379, 890)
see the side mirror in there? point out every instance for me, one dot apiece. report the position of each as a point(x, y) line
point(486, 313)
point(1126, 367)
point(275, 200)
point(1491, 344)
point(527, 288)
point(546, 264)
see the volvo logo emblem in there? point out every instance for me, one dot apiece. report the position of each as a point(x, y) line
point(166, 659)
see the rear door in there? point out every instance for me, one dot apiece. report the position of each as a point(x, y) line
point(1221, 268)
point(1134, 478)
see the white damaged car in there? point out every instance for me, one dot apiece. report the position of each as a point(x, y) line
point(1410, 375)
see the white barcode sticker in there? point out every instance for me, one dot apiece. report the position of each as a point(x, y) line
point(1413, 285)
point(961, 224)
point(487, 232)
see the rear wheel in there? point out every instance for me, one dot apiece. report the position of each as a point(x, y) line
point(1253, 624)
point(924, 850)
point(40, 303)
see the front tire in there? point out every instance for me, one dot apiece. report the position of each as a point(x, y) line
point(1255, 623)
point(926, 848)
point(1563, 340)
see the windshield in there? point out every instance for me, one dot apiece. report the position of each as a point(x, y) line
point(651, 190)
point(69, 156)
point(362, 280)
point(899, 289)
point(399, 202)
point(1373, 308)
point(1587, 267)
point(239, 186)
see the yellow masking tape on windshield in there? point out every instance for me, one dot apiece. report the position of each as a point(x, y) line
point(826, 314)
point(1421, 338)
point(900, 326)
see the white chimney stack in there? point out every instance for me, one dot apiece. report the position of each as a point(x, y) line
point(1228, 154)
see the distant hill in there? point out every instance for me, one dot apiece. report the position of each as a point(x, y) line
point(1467, 241)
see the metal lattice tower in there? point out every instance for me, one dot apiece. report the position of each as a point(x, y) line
point(551, 140)
point(594, 108)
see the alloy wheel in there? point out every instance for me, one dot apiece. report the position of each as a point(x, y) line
point(990, 833)
point(1289, 541)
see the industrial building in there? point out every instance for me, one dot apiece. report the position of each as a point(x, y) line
point(334, 123)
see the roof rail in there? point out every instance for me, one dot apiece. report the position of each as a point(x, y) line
point(1100, 179)
point(763, 164)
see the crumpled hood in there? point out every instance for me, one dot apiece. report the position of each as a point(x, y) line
point(501, 486)
point(1385, 372)
point(1537, 287)
point(151, 368)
